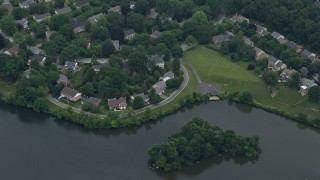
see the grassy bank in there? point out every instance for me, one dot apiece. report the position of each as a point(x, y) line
point(216, 68)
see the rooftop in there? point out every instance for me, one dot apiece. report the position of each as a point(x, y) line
point(63, 10)
point(129, 32)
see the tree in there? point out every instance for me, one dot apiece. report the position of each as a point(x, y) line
point(168, 38)
point(40, 105)
point(114, 20)
point(314, 94)
point(87, 89)
point(99, 33)
point(176, 51)
point(125, 7)
point(138, 103)
point(154, 98)
point(136, 21)
point(38, 29)
point(2, 41)
point(161, 49)
point(271, 78)
point(67, 31)
point(8, 25)
point(176, 65)
point(3, 11)
point(142, 7)
point(107, 48)
point(246, 97)
point(190, 40)
point(138, 62)
point(251, 67)
point(304, 72)
point(294, 82)
point(58, 21)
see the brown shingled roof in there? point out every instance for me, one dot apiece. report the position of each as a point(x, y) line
point(69, 92)
point(114, 103)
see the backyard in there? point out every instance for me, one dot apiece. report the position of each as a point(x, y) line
point(213, 67)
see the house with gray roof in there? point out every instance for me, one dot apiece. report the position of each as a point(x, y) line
point(145, 97)
point(26, 4)
point(36, 50)
point(71, 65)
point(308, 55)
point(306, 84)
point(38, 58)
point(79, 27)
point(239, 19)
point(294, 46)
point(156, 34)
point(160, 87)
point(261, 31)
point(81, 3)
point(277, 35)
point(275, 64)
point(153, 14)
point(41, 17)
point(94, 19)
point(212, 90)
point(116, 9)
point(219, 39)
point(91, 100)
point(260, 54)
point(129, 34)
point(158, 61)
point(23, 23)
point(63, 80)
point(286, 74)
point(63, 10)
point(167, 76)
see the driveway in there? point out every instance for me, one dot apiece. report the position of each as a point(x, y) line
point(6, 36)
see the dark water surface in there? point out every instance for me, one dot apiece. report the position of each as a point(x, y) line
point(38, 147)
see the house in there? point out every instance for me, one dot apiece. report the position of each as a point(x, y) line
point(212, 90)
point(286, 74)
point(145, 97)
point(129, 34)
point(153, 14)
point(167, 76)
point(70, 94)
point(247, 41)
point(116, 45)
point(155, 34)
point(158, 61)
point(260, 54)
point(279, 37)
point(79, 27)
point(23, 23)
point(25, 4)
point(63, 10)
point(219, 39)
point(294, 46)
point(92, 100)
point(120, 103)
point(239, 19)
point(306, 84)
point(71, 65)
point(97, 67)
point(81, 3)
point(41, 17)
point(63, 80)
point(12, 51)
point(37, 58)
point(308, 55)
point(275, 64)
point(35, 50)
point(94, 19)
point(132, 4)
point(261, 31)
point(160, 87)
point(7, 5)
point(116, 9)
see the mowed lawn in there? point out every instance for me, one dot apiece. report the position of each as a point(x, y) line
point(213, 67)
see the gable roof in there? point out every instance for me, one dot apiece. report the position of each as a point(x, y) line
point(38, 58)
point(36, 50)
point(129, 32)
point(208, 89)
point(116, 44)
point(8, 6)
point(238, 19)
point(69, 92)
point(306, 53)
point(221, 38)
point(63, 78)
point(159, 87)
point(273, 60)
point(114, 103)
point(81, 3)
point(115, 9)
point(157, 59)
point(42, 16)
point(78, 24)
point(63, 10)
point(13, 50)
point(92, 100)
point(156, 34)
point(291, 44)
point(94, 19)
point(169, 74)
point(307, 82)
point(276, 35)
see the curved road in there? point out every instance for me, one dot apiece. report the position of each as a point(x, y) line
point(152, 106)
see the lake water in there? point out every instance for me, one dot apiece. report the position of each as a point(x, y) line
point(39, 147)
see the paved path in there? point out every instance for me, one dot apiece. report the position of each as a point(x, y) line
point(88, 60)
point(6, 36)
point(195, 72)
point(152, 106)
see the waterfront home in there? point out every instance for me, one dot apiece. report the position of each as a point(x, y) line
point(12, 51)
point(167, 76)
point(63, 80)
point(94, 19)
point(275, 64)
point(239, 19)
point(158, 61)
point(37, 58)
point(116, 44)
point(306, 84)
point(212, 90)
point(41, 17)
point(92, 100)
point(145, 97)
point(286, 74)
point(63, 10)
point(71, 65)
point(116, 9)
point(260, 54)
point(219, 39)
point(70, 94)
point(78, 27)
point(156, 34)
point(120, 103)
point(159, 87)
point(129, 34)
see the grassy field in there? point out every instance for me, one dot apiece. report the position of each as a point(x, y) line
point(6, 90)
point(216, 68)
